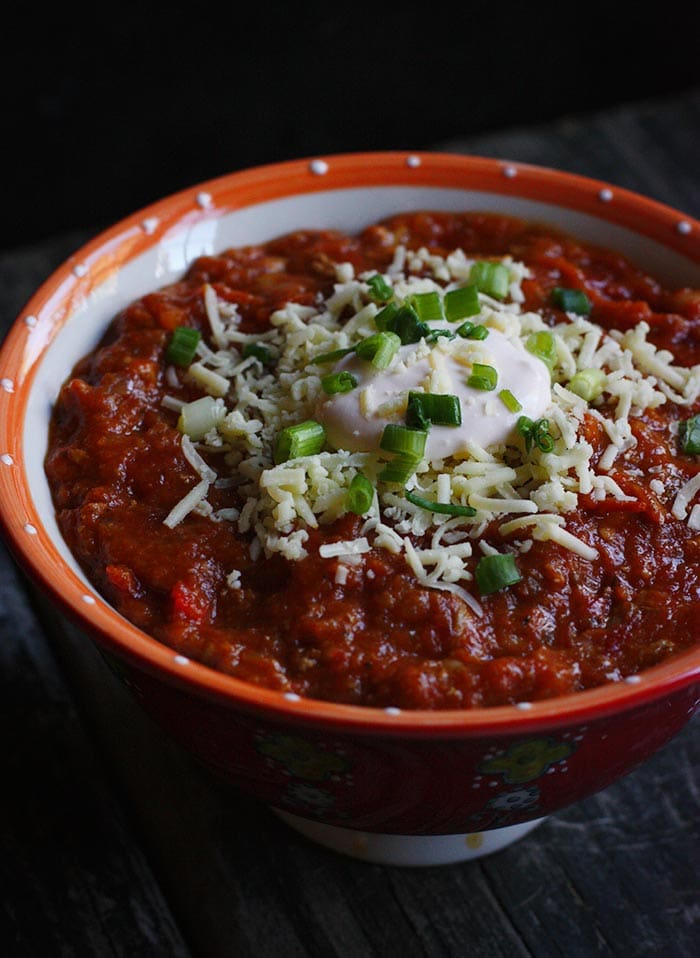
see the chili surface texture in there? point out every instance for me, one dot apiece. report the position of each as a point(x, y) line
point(376, 636)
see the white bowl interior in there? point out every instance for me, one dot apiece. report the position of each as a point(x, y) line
point(345, 209)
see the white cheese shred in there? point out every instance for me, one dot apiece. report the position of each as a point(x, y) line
point(331, 550)
point(685, 496)
point(188, 502)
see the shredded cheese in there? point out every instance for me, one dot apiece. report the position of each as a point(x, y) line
point(685, 496)
point(522, 490)
point(352, 547)
point(183, 508)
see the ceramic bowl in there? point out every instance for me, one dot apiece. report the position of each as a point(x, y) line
point(406, 787)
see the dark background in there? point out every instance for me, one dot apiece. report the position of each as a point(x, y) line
point(110, 109)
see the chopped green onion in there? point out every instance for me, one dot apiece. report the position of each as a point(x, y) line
point(483, 377)
point(436, 334)
point(404, 441)
point(588, 383)
point(524, 427)
point(428, 306)
point(689, 435)
point(360, 495)
point(182, 346)
point(400, 469)
point(438, 408)
point(379, 349)
point(470, 331)
point(379, 289)
point(416, 415)
point(334, 383)
point(496, 572)
point(200, 416)
point(461, 303)
point(444, 508)
point(542, 345)
point(535, 433)
point(571, 300)
point(402, 320)
point(509, 400)
point(333, 356)
point(258, 351)
point(304, 439)
point(490, 278)
point(408, 326)
point(385, 316)
point(409, 444)
point(542, 436)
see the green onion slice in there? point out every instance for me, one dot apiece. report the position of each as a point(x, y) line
point(334, 383)
point(542, 436)
point(588, 383)
point(436, 334)
point(200, 416)
point(535, 433)
point(379, 349)
point(689, 435)
point(258, 350)
point(461, 303)
point(379, 290)
point(542, 345)
point(496, 572)
point(403, 321)
point(360, 495)
point(490, 278)
point(385, 316)
point(304, 439)
point(509, 400)
point(470, 331)
point(333, 356)
point(524, 427)
point(571, 300)
point(182, 346)
point(404, 441)
point(483, 377)
point(441, 409)
point(428, 306)
point(400, 469)
point(444, 508)
point(416, 415)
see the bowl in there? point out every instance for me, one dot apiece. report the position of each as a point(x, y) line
point(384, 785)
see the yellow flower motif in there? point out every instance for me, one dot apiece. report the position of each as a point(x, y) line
point(301, 758)
point(527, 760)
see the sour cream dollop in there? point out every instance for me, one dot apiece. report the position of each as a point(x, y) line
point(355, 420)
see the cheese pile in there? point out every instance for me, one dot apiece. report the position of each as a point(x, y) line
point(529, 493)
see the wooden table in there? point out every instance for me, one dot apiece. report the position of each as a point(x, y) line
point(114, 843)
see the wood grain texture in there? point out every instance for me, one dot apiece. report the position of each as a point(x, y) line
point(114, 842)
point(70, 867)
point(652, 147)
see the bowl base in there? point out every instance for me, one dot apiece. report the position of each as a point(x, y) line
point(408, 850)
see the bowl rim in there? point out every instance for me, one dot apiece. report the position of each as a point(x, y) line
point(68, 285)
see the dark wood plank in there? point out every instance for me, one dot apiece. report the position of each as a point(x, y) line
point(651, 147)
point(72, 877)
point(213, 850)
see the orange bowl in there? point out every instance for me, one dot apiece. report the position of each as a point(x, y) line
point(384, 784)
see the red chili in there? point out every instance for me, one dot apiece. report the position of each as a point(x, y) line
point(374, 636)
